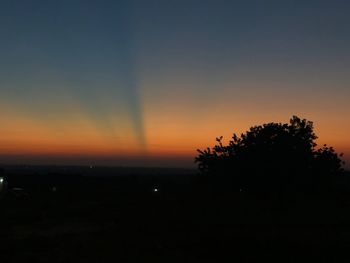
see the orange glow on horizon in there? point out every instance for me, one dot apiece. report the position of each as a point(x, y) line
point(77, 137)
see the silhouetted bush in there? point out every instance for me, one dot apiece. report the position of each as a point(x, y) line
point(271, 157)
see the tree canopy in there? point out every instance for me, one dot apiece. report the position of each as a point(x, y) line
point(270, 156)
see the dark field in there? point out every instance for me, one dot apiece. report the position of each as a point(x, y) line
point(82, 214)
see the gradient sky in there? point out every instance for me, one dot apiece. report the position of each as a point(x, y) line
point(148, 82)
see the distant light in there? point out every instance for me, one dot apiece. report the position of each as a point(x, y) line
point(155, 190)
point(91, 166)
point(1, 180)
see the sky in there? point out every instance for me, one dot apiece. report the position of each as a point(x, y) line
point(146, 83)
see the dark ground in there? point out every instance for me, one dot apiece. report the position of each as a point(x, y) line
point(77, 214)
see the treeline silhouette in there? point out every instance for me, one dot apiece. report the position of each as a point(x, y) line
point(274, 159)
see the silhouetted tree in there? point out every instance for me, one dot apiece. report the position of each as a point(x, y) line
point(271, 157)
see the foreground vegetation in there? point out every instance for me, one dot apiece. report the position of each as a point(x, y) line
point(97, 219)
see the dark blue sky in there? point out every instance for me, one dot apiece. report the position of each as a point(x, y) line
point(143, 68)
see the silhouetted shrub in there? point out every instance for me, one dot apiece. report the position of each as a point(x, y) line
point(271, 157)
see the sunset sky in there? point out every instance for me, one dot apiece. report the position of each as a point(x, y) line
point(148, 82)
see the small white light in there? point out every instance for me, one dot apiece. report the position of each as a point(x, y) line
point(91, 166)
point(155, 190)
point(1, 180)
